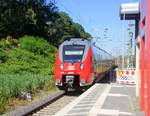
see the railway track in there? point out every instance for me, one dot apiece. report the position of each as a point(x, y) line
point(57, 105)
point(54, 107)
point(46, 106)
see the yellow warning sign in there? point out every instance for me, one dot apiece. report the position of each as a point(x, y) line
point(119, 73)
point(126, 76)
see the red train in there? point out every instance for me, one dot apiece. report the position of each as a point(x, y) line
point(79, 63)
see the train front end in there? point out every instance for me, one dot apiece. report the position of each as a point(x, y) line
point(73, 68)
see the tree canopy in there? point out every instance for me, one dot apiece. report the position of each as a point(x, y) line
point(37, 18)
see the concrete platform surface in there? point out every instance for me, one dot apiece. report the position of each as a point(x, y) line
point(104, 100)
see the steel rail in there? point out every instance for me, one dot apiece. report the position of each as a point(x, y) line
point(35, 106)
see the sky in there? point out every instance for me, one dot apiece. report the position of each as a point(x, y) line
point(101, 19)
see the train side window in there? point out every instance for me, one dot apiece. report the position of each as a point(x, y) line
point(93, 61)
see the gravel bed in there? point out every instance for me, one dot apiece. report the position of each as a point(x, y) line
point(57, 105)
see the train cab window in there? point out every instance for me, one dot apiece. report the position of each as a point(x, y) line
point(73, 53)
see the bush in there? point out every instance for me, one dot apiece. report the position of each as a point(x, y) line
point(3, 56)
point(8, 43)
point(22, 62)
point(36, 45)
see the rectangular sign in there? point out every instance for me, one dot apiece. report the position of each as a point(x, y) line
point(71, 67)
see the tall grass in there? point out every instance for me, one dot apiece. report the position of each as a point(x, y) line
point(12, 85)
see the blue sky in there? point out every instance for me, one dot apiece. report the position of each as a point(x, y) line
point(95, 16)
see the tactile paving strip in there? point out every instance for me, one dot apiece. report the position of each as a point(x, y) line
point(83, 104)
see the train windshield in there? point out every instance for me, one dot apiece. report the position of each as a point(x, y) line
point(73, 53)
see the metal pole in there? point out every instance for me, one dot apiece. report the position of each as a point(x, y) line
point(123, 46)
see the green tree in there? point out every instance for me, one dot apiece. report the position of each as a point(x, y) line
point(59, 28)
point(64, 28)
point(25, 17)
point(37, 18)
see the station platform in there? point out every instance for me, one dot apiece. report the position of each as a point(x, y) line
point(104, 100)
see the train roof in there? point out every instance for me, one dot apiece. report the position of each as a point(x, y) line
point(76, 41)
point(82, 41)
point(104, 50)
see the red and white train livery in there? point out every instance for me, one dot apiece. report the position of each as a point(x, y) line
point(79, 63)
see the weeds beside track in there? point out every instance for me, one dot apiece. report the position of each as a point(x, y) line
point(12, 85)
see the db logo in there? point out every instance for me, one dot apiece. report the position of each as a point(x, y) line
point(71, 67)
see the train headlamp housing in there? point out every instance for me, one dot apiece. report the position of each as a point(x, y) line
point(61, 66)
point(83, 81)
point(58, 81)
point(81, 66)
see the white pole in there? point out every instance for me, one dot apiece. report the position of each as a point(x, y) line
point(123, 41)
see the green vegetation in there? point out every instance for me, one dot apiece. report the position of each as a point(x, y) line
point(37, 18)
point(63, 28)
point(25, 65)
point(33, 55)
point(12, 85)
point(30, 32)
point(36, 45)
point(21, 62)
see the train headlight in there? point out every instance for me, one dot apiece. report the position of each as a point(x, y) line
point(61, 66)
point(57, 80)
point(81, 66)
point(83, 81)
